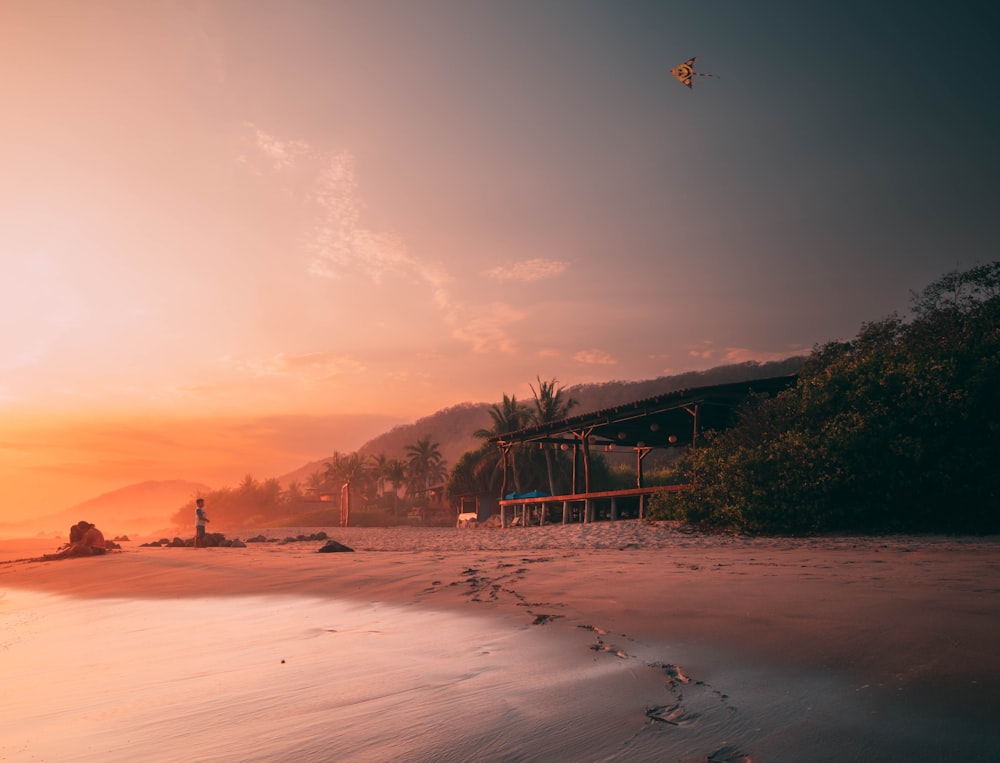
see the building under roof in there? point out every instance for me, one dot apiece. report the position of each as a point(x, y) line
point(673, 418)
point(667, 420)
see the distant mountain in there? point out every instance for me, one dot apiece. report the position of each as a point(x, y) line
point(596, 397)
point(452, 428)
point(139, 509)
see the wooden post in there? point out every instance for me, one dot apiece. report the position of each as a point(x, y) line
point(614, 510)
point(345, 503)
point(504, 451)
point(575, 449)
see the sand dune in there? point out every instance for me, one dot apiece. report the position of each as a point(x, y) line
point(624, 641)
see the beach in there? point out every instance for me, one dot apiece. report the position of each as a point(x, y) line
point(624, 641)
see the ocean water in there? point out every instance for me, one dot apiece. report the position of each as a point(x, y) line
point(288, 678)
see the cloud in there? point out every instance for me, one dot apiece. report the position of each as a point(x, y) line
point(743, 355)
point(486, 331)
point(339, 243)
point(703, 353)
point(282, 154)
point(707, 351)
point(337, 240)
point(595, 357)
point(322, 365)
point(529, 270)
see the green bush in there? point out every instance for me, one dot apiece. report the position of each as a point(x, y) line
point(896, 430)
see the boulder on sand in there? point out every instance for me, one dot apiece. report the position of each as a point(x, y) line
point(332, 546)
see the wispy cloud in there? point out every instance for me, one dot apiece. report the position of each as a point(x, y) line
point(707, 351)
point(321, 365)
point(339, 243)
point(487, 330)
point(743, 354)
point(282, 154)
point(337, 239)
point(595, 358)
point(704, 351)
point(529, 270)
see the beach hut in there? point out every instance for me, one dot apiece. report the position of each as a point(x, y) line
point(673, 419)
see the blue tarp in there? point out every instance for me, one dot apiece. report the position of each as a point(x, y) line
point(532, 494)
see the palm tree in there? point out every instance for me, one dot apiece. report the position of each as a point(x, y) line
point(395, 472)
point(378, 468)
point(551, 404)
point(293, 493)
point(316, 481)
point(508, 416)
point(344, 469)
point(249, 485)
point(425, 463)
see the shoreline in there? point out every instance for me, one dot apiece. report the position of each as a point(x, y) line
point(903, 627)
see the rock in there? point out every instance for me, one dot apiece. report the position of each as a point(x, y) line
point(333, 546)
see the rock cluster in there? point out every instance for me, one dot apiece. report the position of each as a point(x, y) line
point(218, 540)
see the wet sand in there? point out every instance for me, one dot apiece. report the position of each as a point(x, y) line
point(624, 641)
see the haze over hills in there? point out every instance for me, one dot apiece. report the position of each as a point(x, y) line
point(146, 507)
point(452, 427)
point(141, 508)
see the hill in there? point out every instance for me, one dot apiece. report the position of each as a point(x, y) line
point(452, 427)
point(138, 509)
point(596, 397)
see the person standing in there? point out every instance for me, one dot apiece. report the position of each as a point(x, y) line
point(199, 523)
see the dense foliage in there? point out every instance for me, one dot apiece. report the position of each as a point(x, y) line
point(896, 430)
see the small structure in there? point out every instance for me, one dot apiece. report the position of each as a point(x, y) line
point(475, 508)
point(668, 420)
point(430, 508)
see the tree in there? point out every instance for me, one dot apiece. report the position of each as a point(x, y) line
point(343, 470)
point(551, 404)
point(379, 465)
point(316, 481)
point(508, 416)
point(395, 472)
point(896, 430)
point(424, 463)
point(475, 473)
point(293, 493)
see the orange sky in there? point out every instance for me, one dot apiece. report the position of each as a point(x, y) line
point(224, 224)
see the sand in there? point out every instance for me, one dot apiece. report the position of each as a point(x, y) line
point(612, 641)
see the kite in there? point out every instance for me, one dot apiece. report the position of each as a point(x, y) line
point(686, 71)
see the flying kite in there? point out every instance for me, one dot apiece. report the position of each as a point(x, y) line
point(686, 71)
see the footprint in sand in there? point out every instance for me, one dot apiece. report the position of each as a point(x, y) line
point(600, 646)
point(544, 619)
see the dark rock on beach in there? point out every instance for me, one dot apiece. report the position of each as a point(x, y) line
point(333, 546)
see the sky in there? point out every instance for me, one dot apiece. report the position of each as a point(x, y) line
point(238, 236)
